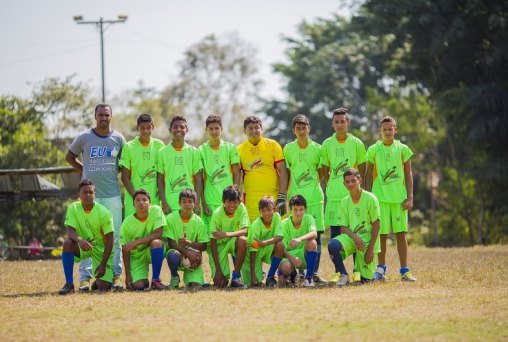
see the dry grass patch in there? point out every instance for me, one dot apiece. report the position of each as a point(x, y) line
point(458, 296)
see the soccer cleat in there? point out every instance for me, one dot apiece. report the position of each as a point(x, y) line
point(407, 277)
point(271, 282)
point(318, 280)
point(174, 283)
point(237, 283)
point(335, 278)
point(117, 283)
point(301, 275)
point(157, 285)
point(309, 282)
point(379, 274)
point(343, 280)
point(84, 285)
point(357, 278)
point(66, 289)
point(293, 275)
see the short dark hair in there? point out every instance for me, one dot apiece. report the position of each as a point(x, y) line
point(144, 118)
point(103, 105)
point(213, 118)
point(387, 118)
point(141, 192)
point(341, 111)
point(177, 118)
point(85, 182)
point(301, 119)
point(252, 120)
point(352, 172)
point(231, 193)
point(266, 202)
point(297, 200)
point(187, 193)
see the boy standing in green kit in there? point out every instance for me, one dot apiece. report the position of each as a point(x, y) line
point(391, 178)
point(138, 163)
point(221, 166)
point(305, 174)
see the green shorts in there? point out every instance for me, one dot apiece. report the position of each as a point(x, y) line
point(332, 212)
point(206, 219)
point(96, 255)
point(392, 216)
point(140, 263)
point(263, 255)
point(223, 251)
point(366, 270)
point(316, 211)
point(300, 254)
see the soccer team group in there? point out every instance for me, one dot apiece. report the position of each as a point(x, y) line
point(181, 201)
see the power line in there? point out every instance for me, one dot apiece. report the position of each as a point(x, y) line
point(29, 59)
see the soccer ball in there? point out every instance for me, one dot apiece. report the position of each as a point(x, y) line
point(186, 262)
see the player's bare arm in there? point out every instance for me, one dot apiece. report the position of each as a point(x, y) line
point(108, 247)
point(367, 180)
point(74, 161)
point(359, 243)
point(199, 191)
point(408, 173)
point(126, 180)
point(161, 188)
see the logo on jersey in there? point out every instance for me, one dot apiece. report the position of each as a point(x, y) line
point(359, 229)
point(103, 151)
point(219, 175)
point(341, 168)
point(149, 176)
point(390, 176)
point(180, 182)
point(256, 164)
point(304, 179)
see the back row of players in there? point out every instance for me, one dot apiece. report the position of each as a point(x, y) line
point(202, 209)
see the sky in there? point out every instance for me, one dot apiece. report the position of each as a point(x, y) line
point(39, 38)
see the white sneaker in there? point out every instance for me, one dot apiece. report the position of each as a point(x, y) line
point(379, 274)
point(309, 282)
point(343, 280)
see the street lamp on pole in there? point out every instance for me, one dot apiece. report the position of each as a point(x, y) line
point(100, 25)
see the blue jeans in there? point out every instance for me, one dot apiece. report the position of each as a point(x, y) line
point(114, 205)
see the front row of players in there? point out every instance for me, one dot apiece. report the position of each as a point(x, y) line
point(286, 245)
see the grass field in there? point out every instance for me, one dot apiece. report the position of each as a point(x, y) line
point(461, 294)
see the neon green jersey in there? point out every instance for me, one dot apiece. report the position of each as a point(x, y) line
point(217, 169)
point(388, 178)
point(358, 217)
point(260, 231)
point(90, 226)
point(193, 229)
point(134, 229)
point(339, 157)
point(291, 232)
point(178, 167)
point(303, 165)
point(221, 221)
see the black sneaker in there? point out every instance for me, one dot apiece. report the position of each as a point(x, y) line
point(157, 285)
point(318, 280)
point(271, 282)
point(293, 275)
point(301, 276)
point(237, 283)
point(68, 288)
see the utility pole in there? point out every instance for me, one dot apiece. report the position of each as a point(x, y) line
point(100, 25)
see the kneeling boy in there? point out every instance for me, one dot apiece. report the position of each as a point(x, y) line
point(187, 238)
point(299, 237)
point(141, 239)
point(265, 241)
point(90, 234)
point(228, 229)
point(359, 222)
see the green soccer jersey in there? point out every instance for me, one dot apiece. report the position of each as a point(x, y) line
point(358, 217)
point(259, 231)
point(225, 223)
point(291, 232)
point(388, 178)
point(141, 161)
point(303, 164)
point(134, 229)
point(217, 169)
point(90, 226)
point(178, 167)
point(340, 156)
point(193, 229)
